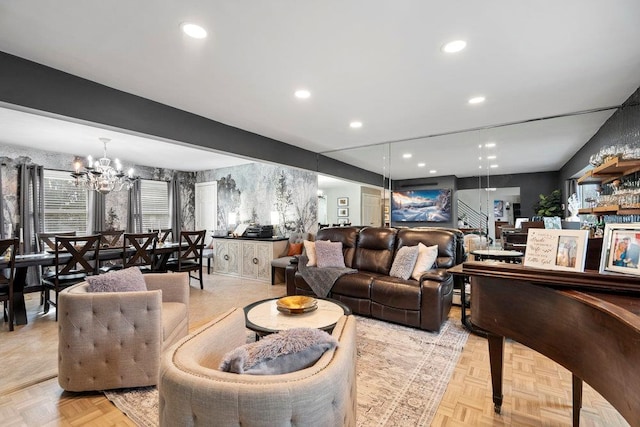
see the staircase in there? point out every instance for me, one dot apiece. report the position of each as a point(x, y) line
point(473, 218)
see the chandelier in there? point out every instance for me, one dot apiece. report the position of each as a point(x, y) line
point(100, 176)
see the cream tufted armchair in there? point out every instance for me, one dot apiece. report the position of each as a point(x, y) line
point(112, 340)
point(193, 392)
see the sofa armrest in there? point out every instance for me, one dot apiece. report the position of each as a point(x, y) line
point(290, 277)
point(435, 274)
point(174, 286)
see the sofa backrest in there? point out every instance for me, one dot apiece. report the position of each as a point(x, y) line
point(376, 247)
point(449, 241)
point(348, 236)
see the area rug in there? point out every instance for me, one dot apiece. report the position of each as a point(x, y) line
point(402, 375)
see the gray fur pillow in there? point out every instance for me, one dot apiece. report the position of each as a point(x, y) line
point(286, 351)
point(404, 262)
point(127, 280)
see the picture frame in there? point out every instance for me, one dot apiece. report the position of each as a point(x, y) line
point(343, 201)
point(342, 221)
point(342, 212)
point(553, 249)
point(621, 249)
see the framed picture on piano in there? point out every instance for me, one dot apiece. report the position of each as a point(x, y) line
point(621, 249)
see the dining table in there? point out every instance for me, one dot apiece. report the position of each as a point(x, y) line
point(161, 255)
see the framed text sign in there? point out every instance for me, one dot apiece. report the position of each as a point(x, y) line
point(556, 249)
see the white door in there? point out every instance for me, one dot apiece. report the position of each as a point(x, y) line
point(206, 207)
point(371, 215)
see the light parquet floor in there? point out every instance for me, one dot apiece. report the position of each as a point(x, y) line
point(537, 391)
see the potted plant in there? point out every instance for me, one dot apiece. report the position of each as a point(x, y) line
point(549, 205)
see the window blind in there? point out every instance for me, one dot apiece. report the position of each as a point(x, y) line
point(155, 204)
point(65, 205)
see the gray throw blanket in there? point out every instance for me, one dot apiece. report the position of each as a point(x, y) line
point(321, 280)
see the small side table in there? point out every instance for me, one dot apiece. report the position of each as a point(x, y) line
point(263, 317)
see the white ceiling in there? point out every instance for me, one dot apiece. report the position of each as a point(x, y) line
point(370, 60)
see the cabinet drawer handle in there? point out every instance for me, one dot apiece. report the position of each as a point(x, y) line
point(255, 260)
point(226, 257)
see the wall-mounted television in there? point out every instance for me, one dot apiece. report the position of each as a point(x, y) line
point(421, 205)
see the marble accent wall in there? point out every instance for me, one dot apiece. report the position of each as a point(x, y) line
point(258, 192)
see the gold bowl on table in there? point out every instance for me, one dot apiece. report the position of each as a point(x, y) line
point(296, 304)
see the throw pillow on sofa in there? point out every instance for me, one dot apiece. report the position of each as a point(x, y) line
point(404, 262)
point(127, 280)
point(280, 353)
point(329, 254)
point(310, 250)
point(294, 249)
point(427, 256)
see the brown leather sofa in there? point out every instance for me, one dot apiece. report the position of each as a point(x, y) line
point(371, 292)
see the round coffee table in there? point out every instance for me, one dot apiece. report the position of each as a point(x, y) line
point(263, 317)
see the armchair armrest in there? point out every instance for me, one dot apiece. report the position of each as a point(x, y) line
point(435, 274)
point(174, 286)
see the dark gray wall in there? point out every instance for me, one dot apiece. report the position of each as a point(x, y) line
point(623, 127)
point(440, 182)
point(36, 86)
point(531, 186)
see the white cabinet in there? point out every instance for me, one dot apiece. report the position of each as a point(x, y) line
point(227, 257)
point(250, 259)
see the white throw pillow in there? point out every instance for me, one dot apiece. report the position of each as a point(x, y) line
point(427, 256)
point(310, 249)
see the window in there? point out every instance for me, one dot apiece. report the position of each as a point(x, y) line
point(155, 204)
point(65, 205)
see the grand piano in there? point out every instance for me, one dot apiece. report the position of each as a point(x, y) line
point(587, 322)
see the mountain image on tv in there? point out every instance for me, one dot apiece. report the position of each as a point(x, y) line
point(421, 206)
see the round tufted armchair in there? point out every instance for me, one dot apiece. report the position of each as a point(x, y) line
point(194, 392)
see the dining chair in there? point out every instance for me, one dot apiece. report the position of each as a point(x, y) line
point(190, 254)
point(138, 250)
point(46, 240)
point(76, 257)
point(162, 233)
point(110, 238)
point(8, 249)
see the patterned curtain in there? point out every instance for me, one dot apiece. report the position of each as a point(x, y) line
point(175, 207)
point(31, 197)
point(134, 209)
point(2, 229)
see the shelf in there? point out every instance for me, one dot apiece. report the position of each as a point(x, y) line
point(609, 210)
point(610, 170)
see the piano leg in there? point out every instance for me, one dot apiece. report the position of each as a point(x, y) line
point(496, 354)
point(577, 399)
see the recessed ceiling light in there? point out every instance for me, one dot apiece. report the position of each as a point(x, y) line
point(433, 171)
point(493, 166)
point(302, 94)
point(454, 46)
point(490, 144)
point(355, 125)
point(194, 30)
point(491, 157)
point(476, 100)
point(407, 155)
point(421, 165)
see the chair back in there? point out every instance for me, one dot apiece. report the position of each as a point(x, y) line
point(82, 250)
point(162, 233)
point(144, 245)
point(194, 241)
point(110, 238)
point(46, 240)
point(8, 248)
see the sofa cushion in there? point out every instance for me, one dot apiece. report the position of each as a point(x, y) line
point(127, 280)
point(404, 262)
point(286, 351)
point(355, 285)
point(445, 239)
point(329, 254)
point(427, 256)
point(397, 293)
point(376, 246)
